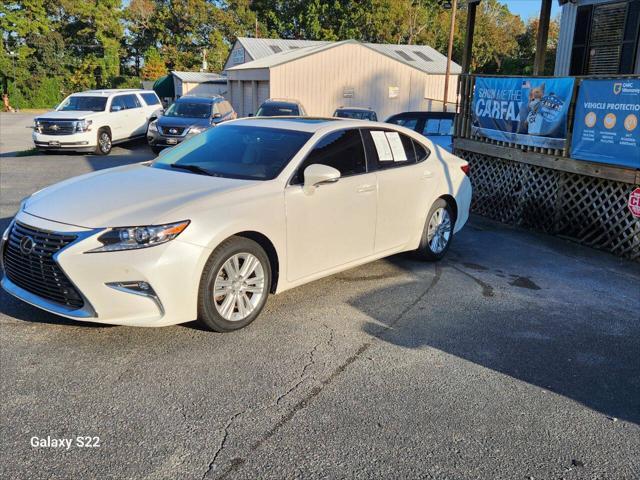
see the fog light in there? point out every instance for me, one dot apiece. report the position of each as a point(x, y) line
point(141, 288)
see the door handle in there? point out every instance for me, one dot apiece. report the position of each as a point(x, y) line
point(365, 188)
point(427, 174)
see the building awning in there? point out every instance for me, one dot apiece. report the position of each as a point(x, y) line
point(164, 87)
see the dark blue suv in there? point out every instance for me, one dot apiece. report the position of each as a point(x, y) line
point(188, 116)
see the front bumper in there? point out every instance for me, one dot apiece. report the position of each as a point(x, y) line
point(156, 139)
point(172, 270)
point(79, 142)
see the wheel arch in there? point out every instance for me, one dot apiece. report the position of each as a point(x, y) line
point(270, 250)
point(451, 201)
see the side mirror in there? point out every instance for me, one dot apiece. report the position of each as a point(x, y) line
point(116, 108)
point(250, 115)
point(318, 174)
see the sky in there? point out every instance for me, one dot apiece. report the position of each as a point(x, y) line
point(530, 8)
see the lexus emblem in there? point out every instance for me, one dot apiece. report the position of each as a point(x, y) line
point(55, 127)
point(26, 245)
point(173, 131)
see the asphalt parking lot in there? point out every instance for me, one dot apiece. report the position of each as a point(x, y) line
point(516, 357)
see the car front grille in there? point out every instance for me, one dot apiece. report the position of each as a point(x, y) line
point(54, 127)
point(29, 263)
point(172, 131)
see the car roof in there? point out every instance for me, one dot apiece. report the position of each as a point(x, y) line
point(355, 109)
point(110, 91)
point(281, 101)
point(425, 114)
point(195, 99)
point(314, 124)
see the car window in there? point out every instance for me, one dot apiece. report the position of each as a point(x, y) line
point(118, 102)
point(408, 122)
point(189, 110)
point(131, 101)
point(390, 149)
point(236, 151)
point(421, 152)
point(275, 110)
point(446, 126)
point(438, 126)
point(227, 106)
point(342, 150)
point(217, 108)
point(150, 98)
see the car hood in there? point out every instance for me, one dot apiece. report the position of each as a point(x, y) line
point(183, 122)
point(68, 115)
point(126, 196)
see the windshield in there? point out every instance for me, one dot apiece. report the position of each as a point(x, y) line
point(189, 110)
point(84, 104)
point(275, 110)
point(234, 151)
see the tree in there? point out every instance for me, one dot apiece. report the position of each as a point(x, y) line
point(154, 66)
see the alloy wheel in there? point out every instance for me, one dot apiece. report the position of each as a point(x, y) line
point(239, 286)
point(105, 142)
point(439, 231)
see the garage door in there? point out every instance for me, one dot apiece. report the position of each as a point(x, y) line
point(263, 92)
point(236, 96)
point(247, 106)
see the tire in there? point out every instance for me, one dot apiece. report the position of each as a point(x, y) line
point(104, 144)
point(156, 150)
point(223, 312)
point(437, 233)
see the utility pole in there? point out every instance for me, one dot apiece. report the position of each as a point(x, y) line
point(543, 36)
point(452, 27)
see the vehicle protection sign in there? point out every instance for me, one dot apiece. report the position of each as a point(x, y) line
point(634, 203)
point(525, 111)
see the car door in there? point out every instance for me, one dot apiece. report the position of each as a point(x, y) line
point(136, 116)
point(118, 118)
point(335, 224)
point(403, 186)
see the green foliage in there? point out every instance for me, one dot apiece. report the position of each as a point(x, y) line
point(50, 48)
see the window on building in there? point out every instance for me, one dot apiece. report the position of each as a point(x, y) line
point(405, 55)
point(275, 48)
point(422, 56)
point(342, 150)
point(605, 38)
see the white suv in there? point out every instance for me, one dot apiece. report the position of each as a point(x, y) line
point(95, 120)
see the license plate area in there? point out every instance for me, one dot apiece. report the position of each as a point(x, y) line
point(54, 143)
point(172, 141)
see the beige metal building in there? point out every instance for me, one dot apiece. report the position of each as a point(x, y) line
point(326, 75)
point(198, 83)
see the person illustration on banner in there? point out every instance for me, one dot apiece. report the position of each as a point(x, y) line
point(534, 115)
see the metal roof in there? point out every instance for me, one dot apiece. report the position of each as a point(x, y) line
point(199, 77)
point(421, 57)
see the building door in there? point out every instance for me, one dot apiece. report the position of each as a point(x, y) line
point(263, 92)
point(247, 99)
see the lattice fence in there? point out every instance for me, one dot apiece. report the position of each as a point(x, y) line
point(592, 211)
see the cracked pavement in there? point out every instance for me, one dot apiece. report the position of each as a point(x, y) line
point(516, 357)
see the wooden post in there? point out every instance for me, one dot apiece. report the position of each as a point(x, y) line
point(454, 7)
point(543, 35)
point(468, 39)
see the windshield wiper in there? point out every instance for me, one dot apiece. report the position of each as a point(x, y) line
point(194, 169)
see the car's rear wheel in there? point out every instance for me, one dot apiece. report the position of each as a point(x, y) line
point(104, 142)
point(234, 286)
point(437, 233)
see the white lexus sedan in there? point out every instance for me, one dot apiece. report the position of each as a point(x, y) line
point(214, 225)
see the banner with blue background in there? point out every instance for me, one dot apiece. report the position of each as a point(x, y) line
point(526, 111)
point(606, 128)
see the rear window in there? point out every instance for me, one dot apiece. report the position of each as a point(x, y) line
point(408, 122)
point(438, 126)
point(234, 151)
point(150, 98)
point(271, 110)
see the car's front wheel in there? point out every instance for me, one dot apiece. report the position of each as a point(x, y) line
point(437, 233)
point(104, 142)
point(234, 285)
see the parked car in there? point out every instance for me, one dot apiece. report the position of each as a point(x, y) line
point(281, 107)
point(436, 126)
point(356, 113)
point(214, 225)
point(95, 120)
point(186, 117)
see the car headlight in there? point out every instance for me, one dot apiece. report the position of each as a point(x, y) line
point(23, 203)
point(196, 130)
point(37, 125)
point(153, 126)
point(132, 238)
point(83, 125)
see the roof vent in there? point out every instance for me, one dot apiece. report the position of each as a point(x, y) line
point(422, 56)
point(404, 55)
point(275, 48)
point(293, 47)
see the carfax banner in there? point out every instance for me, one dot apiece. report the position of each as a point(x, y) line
point(605, 128)
point(526, 111)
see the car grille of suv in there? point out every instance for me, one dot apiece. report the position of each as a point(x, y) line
point(51, 127)
point(30, 264)
point(172, 131)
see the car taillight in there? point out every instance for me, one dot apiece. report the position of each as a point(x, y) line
point(465, 169)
